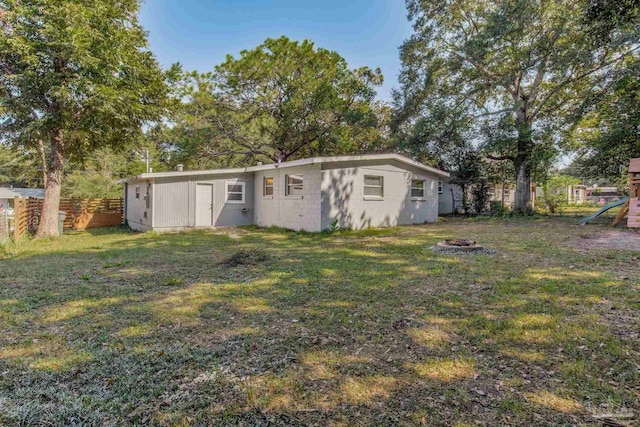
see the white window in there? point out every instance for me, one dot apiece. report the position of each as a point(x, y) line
point(235, 192)
point(417, 188)
point(440, 187)
point(294, 185)
point(373, 186)
point(138, 192)
point(267, 186)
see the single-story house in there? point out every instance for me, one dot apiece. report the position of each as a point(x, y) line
point(7, 194)
point(311, 194)
point(577, 194)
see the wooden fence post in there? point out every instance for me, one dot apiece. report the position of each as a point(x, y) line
point(18, 209)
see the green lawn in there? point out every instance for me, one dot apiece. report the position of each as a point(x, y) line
point(359, 328)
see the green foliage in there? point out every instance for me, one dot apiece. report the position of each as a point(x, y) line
point(607, 135)
point(280, 101)
point(607, 16)
point(74, 76)
point(467, 170)
point(480, 193)
point(555, 191)
point(497, 208)
point(518, 68)
point(90, 77)
point(89, 184)
point(19, 168)
point(334, 227)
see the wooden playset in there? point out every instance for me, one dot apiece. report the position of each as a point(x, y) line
point(629, 206)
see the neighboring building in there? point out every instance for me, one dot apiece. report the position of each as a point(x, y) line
point(8, 194)
point(451, 196)
point(310, 194)
point(604, 194)
point(577, 194)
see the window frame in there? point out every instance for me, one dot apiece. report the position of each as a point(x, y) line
point(287, 190)
point(424, 189)
point(137, 189)
point(227, 192)
point(381, 187)
point(265, 186)
point(440, 187)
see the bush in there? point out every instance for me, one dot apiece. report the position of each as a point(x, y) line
point(556, 202)
point(480, 193)
point(496, 208)
point(555, 192)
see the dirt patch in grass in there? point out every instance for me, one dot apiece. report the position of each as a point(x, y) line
point(613, 239)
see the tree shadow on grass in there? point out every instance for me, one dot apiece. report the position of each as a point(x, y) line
point(355, 329)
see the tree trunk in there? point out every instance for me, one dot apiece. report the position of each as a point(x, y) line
point(43, 161)
point(48, 226)
point(522, 164)
point(522, 202)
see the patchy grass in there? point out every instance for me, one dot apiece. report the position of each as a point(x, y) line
point(245, 257)
point(356, 328)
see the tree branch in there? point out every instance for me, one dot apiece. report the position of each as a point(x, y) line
point(501, 158)
point(579, 77)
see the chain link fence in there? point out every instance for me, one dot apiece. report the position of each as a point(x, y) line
point(4, 227)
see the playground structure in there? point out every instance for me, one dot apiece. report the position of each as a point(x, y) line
point(630, 205)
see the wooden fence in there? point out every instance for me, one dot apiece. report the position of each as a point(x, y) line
point(81, 214)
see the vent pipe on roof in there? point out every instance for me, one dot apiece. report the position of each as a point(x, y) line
point(180, 168)
point(259, 163)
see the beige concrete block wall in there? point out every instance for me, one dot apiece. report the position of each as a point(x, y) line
point(292, 212)
point(343, 198)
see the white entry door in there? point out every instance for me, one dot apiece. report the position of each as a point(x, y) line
point(204, 205)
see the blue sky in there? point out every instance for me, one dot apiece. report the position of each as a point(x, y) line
point(199, 34)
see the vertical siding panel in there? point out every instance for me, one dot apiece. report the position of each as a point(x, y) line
point(171, 207)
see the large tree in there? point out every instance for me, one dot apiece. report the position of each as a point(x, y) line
point(279, 101)
point(74, 75)
point(608, 134)
point(523, 63)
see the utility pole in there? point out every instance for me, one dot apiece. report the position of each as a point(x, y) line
point(147, 159)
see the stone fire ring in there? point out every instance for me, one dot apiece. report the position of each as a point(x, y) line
point(459, 245)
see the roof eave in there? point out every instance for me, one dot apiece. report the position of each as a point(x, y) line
point(293, 163)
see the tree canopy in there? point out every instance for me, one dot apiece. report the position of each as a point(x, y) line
point(519, 66)
point(74, 76)
point(279, 101)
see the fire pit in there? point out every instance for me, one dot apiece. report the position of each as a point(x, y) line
point(459, 242)
point(459, 245)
